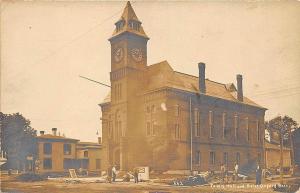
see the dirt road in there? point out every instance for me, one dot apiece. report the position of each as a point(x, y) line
point(12, 186)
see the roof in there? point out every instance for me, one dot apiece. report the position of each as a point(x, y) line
point(55, 137)
point(127, 16)
point(88, 145)
point(274, 146)
point(162, 75)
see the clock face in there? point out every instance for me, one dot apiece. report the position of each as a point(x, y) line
point(137, 54)
point(118, 54)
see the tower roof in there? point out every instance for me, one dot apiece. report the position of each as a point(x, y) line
point(124, 24)
point(128, 13)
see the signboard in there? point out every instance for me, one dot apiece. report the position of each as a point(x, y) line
point(143, 173)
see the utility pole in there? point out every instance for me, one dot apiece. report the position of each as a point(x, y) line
point(191, 130)
point(292, 149)
point(281, 157)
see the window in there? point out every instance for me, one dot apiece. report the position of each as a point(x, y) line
point(197, 122)
point(148, 129)
point(247, 128)
point(110, 127)
point(258, 130)
point(148, 109)
point(177, 131)
point(198, 158)
point(153, 128)
point(152, 109)
point(67, 149)
point(225, 158)
point(47, 163)
point(47, 148)
point(224, 125)
point(117, 91)
point(236, 125)
point(98, 164)
point(120, 91)
point(134, 25)
point(119, 25)
point(84, 163)
point(86, 154)
point(258, 157)
point(211, 124)
point(212, 158)
point(237, 158)
point(177, 110)
point(122, 129)
point(67, 163)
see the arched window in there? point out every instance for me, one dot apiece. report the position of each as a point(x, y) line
point(119, 132)
point(119, 25)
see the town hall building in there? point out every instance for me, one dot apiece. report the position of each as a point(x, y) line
point(155, 116)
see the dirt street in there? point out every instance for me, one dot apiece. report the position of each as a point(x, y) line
point(9, 184)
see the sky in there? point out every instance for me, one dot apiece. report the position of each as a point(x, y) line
point(45, 46)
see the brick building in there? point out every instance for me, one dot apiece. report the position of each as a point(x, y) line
point(90, 153)
point(155, 116)
point(58, 153)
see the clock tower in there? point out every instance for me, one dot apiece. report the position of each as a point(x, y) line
point(128, 64)
point(128, 42)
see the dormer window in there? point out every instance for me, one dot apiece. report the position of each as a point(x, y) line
point(134, 25)
point(119, 25)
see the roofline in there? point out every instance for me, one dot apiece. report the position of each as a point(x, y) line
point(205, 78)
point(105, 103)
point(56, 139)
point(88, 147)
point(127, 32)
point(167, 87)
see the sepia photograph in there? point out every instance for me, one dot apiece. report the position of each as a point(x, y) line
point(150, 96)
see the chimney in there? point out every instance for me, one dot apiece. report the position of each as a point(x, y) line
point(42, 132)
point(99, 140)
point(239, 80)
point(54, 130)
point(202, 87)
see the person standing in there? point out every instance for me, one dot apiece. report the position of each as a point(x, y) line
point(136, 175)
point(236, 170)
point(222, 172)
point(258, 175)
point(109, 174)
point(114, 173)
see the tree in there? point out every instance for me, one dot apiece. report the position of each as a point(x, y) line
point(17, 140)
point(283, 126)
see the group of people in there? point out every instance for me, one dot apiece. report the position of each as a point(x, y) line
point(112, 174)
point(224, 173)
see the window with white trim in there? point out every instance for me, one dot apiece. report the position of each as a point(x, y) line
point(236, 125)
point(247, 128)
point(197, 122)
point(198, 158)
point(224, 123)
point(177, 131)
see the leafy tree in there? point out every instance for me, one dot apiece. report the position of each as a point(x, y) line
point(17, 139)
point(282, 125)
